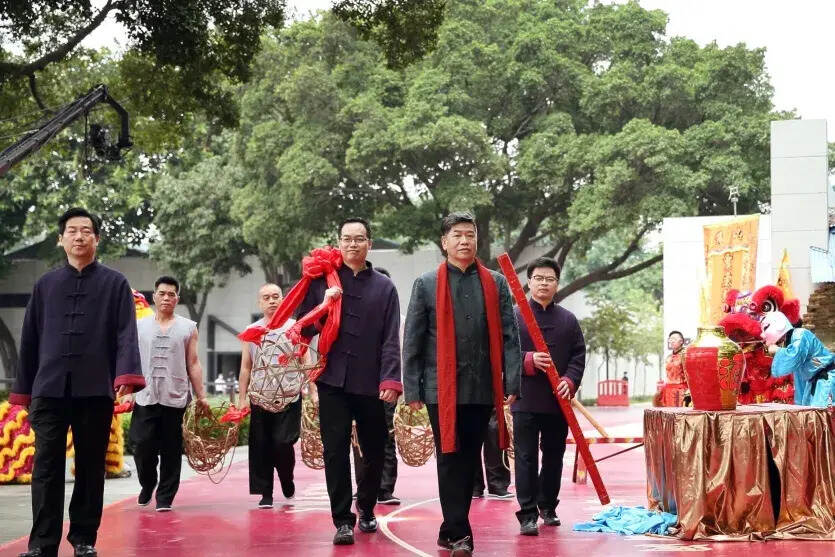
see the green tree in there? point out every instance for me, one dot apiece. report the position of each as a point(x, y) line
point(555, 122)
point(188, 47)
point(199, 242)
point(604, 331)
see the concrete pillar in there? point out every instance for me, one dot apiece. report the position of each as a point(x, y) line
point(799, 197)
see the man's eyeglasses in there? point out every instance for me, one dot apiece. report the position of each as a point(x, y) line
point(348, 240)
point(546, 280)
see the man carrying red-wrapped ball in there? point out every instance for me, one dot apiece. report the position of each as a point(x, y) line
point(362, 372)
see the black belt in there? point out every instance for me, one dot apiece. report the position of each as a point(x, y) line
point(821, 374)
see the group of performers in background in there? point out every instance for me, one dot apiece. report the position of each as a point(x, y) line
point(464, 356)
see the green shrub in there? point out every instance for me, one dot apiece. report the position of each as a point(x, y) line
point(4, 395)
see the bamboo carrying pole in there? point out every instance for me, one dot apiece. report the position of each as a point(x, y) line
point(553, 377)
point(582, 409)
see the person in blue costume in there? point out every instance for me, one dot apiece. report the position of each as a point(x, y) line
point(800, 352)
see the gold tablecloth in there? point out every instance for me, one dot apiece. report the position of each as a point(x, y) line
point(725, 473)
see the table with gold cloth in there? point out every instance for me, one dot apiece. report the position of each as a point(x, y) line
point(728, 474)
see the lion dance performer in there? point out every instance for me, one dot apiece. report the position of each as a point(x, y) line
point(745, 313)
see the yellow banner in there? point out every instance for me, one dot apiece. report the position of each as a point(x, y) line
point(730, 260)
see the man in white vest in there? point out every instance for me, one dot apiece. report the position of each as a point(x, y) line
point(168, 350)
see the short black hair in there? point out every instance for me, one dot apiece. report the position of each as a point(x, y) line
point(78, 212)
point(454, 218)
point(165, 279)
point(675, 333)
point(540, 262)
point(360, 220)
point(383, 271)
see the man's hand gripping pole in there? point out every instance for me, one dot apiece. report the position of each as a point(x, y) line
point(553, 377)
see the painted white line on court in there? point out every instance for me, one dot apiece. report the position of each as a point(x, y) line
point(382, 522)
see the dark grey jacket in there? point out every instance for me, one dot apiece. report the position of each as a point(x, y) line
point(420, 374)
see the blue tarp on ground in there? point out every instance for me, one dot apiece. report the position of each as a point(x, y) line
point(628, 520)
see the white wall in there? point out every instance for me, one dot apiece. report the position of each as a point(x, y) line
point(799, 197)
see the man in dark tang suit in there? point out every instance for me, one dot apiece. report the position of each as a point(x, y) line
point(78, 345)
point(362, 372)
point(537, 418)
point(460, 357)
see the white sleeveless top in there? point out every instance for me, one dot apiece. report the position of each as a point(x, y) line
point(163, 356)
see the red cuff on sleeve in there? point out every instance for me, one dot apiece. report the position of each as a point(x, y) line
point(392, 384)
point(571, 386)
point(134, 379)
point(527, 365)
point(19, 399)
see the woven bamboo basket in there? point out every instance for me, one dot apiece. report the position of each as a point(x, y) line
point(207, 441)
point(413, 435)
point(311, 437)
point(279, 373)
point(507, 455)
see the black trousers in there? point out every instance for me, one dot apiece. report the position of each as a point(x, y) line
point(271, 439)
point(90, 419)
point(456, 471)
point(389, 477)
point(498, 475)
point(538, 489)
point(337, 409)
point(157, 435)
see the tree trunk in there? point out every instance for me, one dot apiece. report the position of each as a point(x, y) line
point(195, 310)
point(8, 350)
point(483, 224)
point(606, 355)
point(272, 272)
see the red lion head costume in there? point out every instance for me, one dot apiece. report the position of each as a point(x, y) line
point(744, 312)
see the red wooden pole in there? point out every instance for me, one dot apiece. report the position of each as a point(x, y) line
point(553, 377)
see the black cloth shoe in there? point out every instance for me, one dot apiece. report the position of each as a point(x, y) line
point(388, 499)
point(368, 522)
point(500, 494)
point(550, 518)
point(41, 552)
point(144, 497)
point(266, 502)
point(289, 490)
point(529, 528)
point(344, 535)
point(163, 507)
point(478, 494)
point(462, 547)
point(84, 550)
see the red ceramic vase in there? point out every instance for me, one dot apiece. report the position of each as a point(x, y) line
point(714, 366)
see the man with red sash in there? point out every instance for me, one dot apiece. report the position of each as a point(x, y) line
point(362, 372)
point(461, 357)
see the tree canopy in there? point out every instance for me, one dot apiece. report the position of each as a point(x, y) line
point(555, 122)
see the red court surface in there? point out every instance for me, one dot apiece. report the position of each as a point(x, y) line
point(214, 520)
